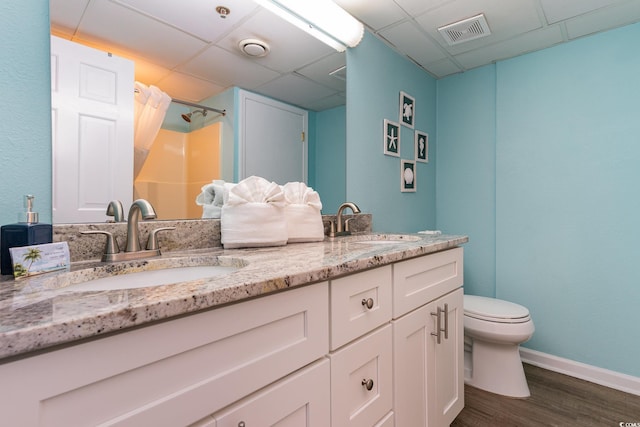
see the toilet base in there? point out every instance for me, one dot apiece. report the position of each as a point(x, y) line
point(496, 368)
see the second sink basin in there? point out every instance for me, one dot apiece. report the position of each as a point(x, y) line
point(143, 279)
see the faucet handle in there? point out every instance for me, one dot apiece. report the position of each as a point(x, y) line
point(111, 247)
point(152, 242)
point(346, 224)
point(115, 210)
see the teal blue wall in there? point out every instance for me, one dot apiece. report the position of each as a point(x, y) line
point(566, 202)
point(327, 158)
point(466, 159)
point(25, 108)
point(376, 75)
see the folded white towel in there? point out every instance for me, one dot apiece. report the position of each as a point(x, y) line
point(253, 215)
point(302, 212)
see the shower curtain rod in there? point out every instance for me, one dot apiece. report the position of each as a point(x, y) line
point(191, 104)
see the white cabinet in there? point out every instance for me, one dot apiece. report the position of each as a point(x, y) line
point(299, 400)
point(361, 350)
point(172, 373)
point(428, 341)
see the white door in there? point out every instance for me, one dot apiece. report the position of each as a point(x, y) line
point(92, 131)
point(272, 139)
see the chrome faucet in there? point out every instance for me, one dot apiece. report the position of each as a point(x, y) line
point(341, 230)
point(138, 208)
point(115, 210)
point(133, 250)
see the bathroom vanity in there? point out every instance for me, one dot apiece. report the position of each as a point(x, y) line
point(360, 331)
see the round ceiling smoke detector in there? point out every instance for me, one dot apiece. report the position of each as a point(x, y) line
point(254, 47)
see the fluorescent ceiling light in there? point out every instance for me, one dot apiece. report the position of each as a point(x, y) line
point(323, 19)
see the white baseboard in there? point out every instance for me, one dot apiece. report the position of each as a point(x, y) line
point(605, 377)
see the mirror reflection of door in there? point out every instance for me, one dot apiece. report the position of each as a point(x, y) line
point(92, 131)
point(272, 139)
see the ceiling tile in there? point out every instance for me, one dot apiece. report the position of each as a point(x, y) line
point(506, 19)
point(556, 11)
point(143, 36)
point(528, 42)
point(290, 47)
point(416, 7)
point(295, 89)
point(198, 17)
point(603, 19)
point(188, 88)
point(442, 68)
point(226, 69)
point(414, 43)
point(376, 14)
point(67, 14)
point(320, 71)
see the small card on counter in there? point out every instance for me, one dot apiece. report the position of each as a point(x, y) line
point(38, 259)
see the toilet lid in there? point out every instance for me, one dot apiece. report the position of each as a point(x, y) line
point(494, 310)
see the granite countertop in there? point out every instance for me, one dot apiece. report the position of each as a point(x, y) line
point(42, 312)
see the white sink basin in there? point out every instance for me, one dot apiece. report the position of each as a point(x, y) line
point(143, 279)
point(386, 239)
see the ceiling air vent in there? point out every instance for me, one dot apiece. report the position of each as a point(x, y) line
point(465, 30)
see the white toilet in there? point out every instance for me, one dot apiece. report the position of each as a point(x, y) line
point(493, 332)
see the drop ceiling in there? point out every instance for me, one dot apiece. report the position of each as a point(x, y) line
point(191, 52)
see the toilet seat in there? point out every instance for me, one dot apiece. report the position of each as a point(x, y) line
point(494, 310)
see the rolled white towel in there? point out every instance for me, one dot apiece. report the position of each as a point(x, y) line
point(302, 212)
point(211, 199)
point(253, 215)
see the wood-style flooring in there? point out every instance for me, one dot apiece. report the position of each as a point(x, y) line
point(556, 400)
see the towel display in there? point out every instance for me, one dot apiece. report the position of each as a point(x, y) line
point(252, 214)
point(211, 199)
point(302, 213)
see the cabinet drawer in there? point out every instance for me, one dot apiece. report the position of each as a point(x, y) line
point(350, 298)
point(172, 373)
point(420, 280)
point(366, 359)
point(300, 399)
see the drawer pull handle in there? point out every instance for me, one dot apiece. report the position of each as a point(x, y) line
point(367, 302)
point(368, 384)
point(241, 424)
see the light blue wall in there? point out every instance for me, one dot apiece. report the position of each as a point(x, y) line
point(466, 159)
point(25, 108)
point(376, 75)
point(328, 156)
point(566, 200)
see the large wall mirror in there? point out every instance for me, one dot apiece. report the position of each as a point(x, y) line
point(197, 51)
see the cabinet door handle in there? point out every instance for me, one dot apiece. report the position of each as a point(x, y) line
point(241, 424)
point(446, 321)
point(437, 334)
point(367, 302)
point(368, 384)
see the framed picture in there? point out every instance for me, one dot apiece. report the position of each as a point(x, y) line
point(421, 141)
point(407, 109)
point(391, 138)
point(408, 176)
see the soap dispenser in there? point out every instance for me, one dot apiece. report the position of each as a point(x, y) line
point(25, 233)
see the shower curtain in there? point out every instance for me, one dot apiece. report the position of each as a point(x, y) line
point(150, 107)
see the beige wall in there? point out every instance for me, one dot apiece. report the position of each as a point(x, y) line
point(178, 165)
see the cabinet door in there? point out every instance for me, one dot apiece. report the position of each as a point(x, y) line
point(361, 383)
point(411, 340)
point(301, 399)
point(428, 376)
point(445, 371)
